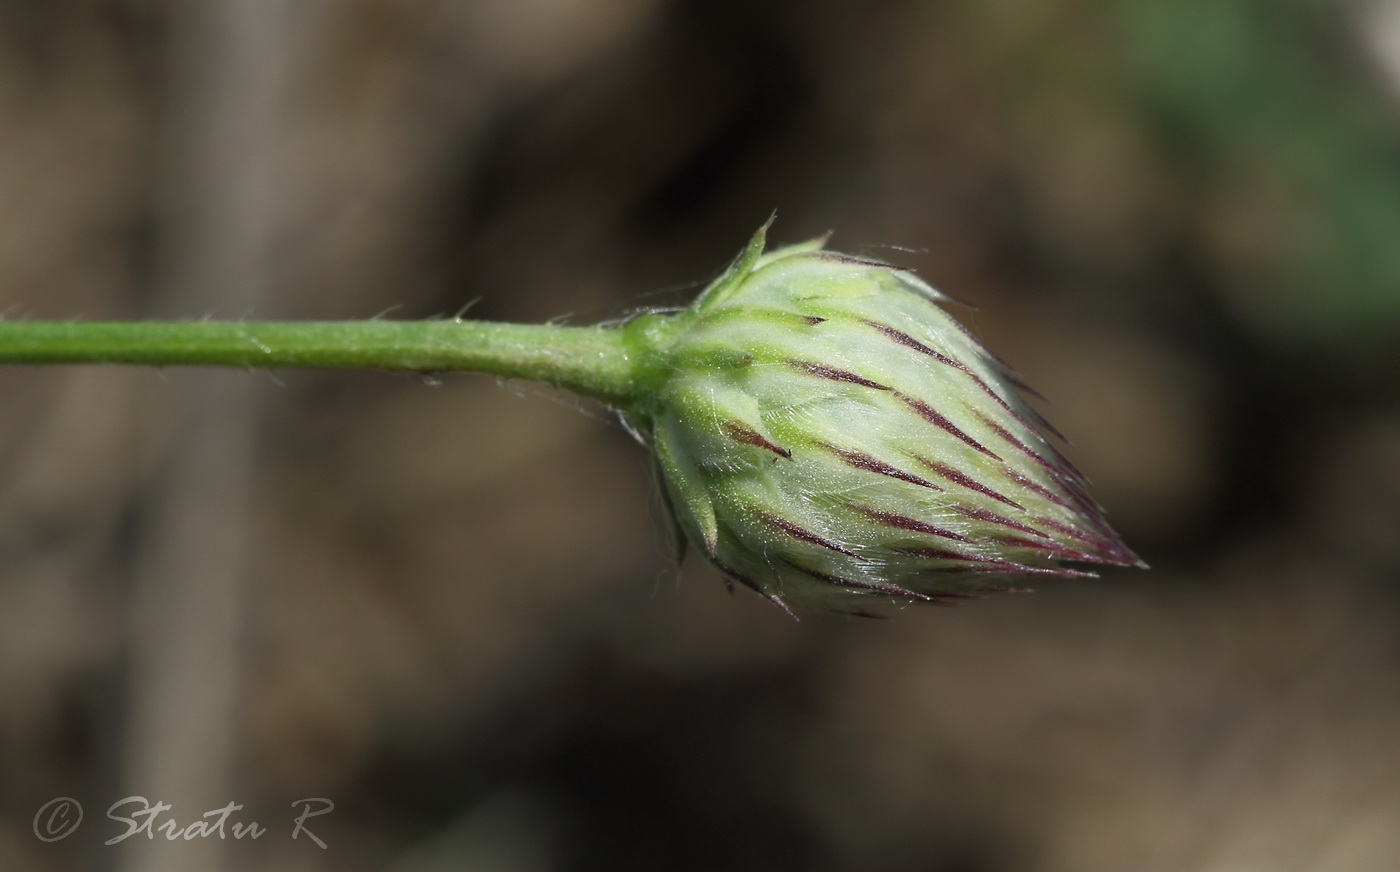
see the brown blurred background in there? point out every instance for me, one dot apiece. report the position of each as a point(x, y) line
point(451, 609)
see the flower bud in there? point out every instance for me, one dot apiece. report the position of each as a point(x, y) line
point(830, 437)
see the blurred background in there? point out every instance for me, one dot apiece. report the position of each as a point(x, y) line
point(452, 610)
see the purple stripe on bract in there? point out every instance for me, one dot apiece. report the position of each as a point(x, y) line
point(1071, 532)
point(943, 554)
point(994, 518)
point(837, 257)
point(796, 532)
point(990, 565)
point(1059, 551)
point(1109, 549)
point(1021, 419)
point(870, 464)
point(928, 413)
point(1056, 572)
point(1046, 425)
point(873, 586)
point(1060, 475)
point(889, 519)
point(908, 341)
point(740, 433)
point(1106, 533)
point(996, 396)
point(1065, 463)
point(937, 598)
point(836, 374)
point(1008, 568)
point(1021, 385)
point(736, 575)
point(1105, 543)
point(1038, 490)
point(1064, 468)
point(983, 349)
point(753, 585)
point(968, 482)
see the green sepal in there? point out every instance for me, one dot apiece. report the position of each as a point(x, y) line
point(733, 277)
point(680, 540)
point(690, 502)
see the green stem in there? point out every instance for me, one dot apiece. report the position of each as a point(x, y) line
point(596, 362)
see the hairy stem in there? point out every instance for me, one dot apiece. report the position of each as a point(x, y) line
point(592, 361)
